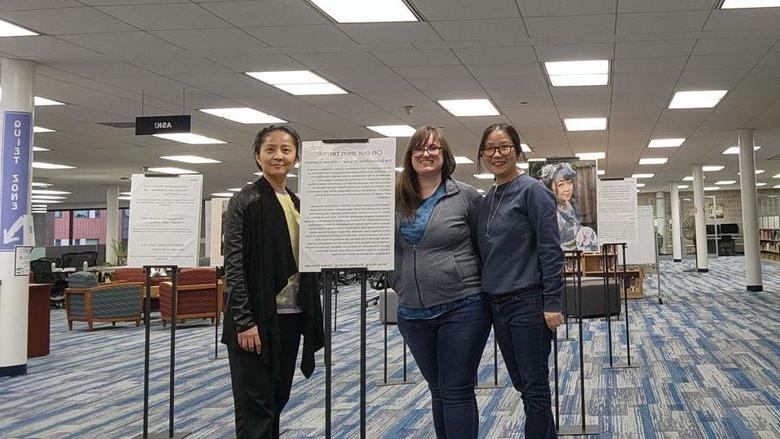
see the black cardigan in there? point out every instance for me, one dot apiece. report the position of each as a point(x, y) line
point(258, 262)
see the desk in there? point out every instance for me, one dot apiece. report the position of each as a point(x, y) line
point(38, 320)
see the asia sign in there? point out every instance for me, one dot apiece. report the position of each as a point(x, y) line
point(15, 158)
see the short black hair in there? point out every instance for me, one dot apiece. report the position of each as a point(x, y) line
point(265, 132)
point(505, 128)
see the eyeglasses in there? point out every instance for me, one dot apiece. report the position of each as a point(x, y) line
point(431, 149)
point(503, 149)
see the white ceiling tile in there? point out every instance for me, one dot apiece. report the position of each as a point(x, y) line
point(266, 13)
point(519, 71)
point(507, 31)
point(571, 52)
point(433, 72)
point(497, 55)
point(67, 21)
point(24, 5)
point(722, 46)
point(100, 69)
point(165, 16)
point(44, 49)
point(653, 49)
point(431, 57)
point(371, 33)
point(439, 10)
point(123, 44)
point(731, 61)
point(181, 66)
point(258, 63)
point(603, 24)
point(337, 60)
point(663, 5)
point(210, 39)
point(533, 8)
point(302, 36)
point(661, 22)
point(639, 65)
point(762, 18)
point(712, 79)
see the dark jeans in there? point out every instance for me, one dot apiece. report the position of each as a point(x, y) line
point(258, 398)
point(447, 350)
point(525, 342)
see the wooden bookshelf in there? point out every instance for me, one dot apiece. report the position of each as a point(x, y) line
point(769, 240)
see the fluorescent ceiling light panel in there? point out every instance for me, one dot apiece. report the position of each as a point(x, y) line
point(194, 159)
point(50, 201)
point(591, 155)
point(522, 165)
point(235, 189)
point(525, 148)
point(744, 4)
point(38, 206)
point(125, 193)
point(711, 188)
point(760, 184)
point(485, 176)
point(124, 198)
point(393, 130)
point(47, 197)
point(777, 186)
point(189, 138)
point(40, 149)
point(666, 143)
point(578, 73)
point(538, 159)
point(170, 170)
point(48, 192)
point(44, 102)
point(11, 30)
point(222, 194)
point(682, 186)
point(776, 176)
point(735, 150)
point(298, 82)
point(399, 169)
point(463, 160)
point(601, 172)
point(361, 11)
point(586, 123)
point(643, 176)
point(696, 99)
point(759, 171)
point(712, 168)
point(653, 161)
point(43, 130)
point(640, 185)
point(725, 182)
point(469, 107)
point(44, 165)
point(39, 184)
point(243, 115)
point(688, 178)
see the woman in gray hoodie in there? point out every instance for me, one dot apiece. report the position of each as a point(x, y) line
point(442, 314)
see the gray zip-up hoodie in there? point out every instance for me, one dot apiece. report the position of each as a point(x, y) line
point(444, 266)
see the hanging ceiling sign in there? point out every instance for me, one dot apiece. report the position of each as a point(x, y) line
point(147, 125)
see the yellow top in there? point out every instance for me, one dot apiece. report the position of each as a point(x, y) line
point(287, 299)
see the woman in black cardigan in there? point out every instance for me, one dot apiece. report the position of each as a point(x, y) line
point(269, 305)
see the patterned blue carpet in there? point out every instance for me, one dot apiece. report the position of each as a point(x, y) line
point(710, 359)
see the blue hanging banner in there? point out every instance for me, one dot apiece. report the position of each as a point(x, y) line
point(15, 158)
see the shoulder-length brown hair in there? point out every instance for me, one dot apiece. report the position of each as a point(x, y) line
point(408, 187)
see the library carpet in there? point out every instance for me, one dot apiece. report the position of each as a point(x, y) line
point(710, 368)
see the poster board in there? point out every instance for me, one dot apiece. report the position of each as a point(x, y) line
point(347, 192)
point(164, 226)
point(617, 210)
point(573, 183)
point(642, 250)
point(216, 209)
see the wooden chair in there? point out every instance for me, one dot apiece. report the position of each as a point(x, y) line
point(199, 295)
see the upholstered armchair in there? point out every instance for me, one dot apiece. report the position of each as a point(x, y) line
point(89, 302)
point(199, 295)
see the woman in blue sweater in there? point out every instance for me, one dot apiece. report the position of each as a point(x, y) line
point(442, 313)
point(521, 275)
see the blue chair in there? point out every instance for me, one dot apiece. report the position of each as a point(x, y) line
point(89, 302)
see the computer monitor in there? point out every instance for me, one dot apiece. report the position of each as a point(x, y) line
point(729, 229)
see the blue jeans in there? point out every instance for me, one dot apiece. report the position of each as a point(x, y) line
point(447, 350)
point(525, 343)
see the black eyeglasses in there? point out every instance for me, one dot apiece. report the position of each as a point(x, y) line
point(503, 149)
point(432, 150)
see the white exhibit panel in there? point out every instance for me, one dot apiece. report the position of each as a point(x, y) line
point(215, 212)
point(617, 210)
point(347, 193)
point(642, 250)
point(164, 220)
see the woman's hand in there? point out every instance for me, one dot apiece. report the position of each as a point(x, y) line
point(553, 319)
point(249, 340)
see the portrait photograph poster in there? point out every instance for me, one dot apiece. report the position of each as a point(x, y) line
point(573, 182)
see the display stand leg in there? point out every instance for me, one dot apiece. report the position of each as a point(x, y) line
point(336, 304)
point(327, 290)
point(218, 313)
point(385, 380)
point(363, 305)
point(628, 364)
point(607, 306)
point(565, 307)
point(582, 429)
point(147, 334)
point(495, 369)
point(555, 362)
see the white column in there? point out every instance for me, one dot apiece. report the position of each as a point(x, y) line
point(660, 214)
point(702, 263)
point(112, 222)
point(17, 80)
point(676, 232)
point(747, 187)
